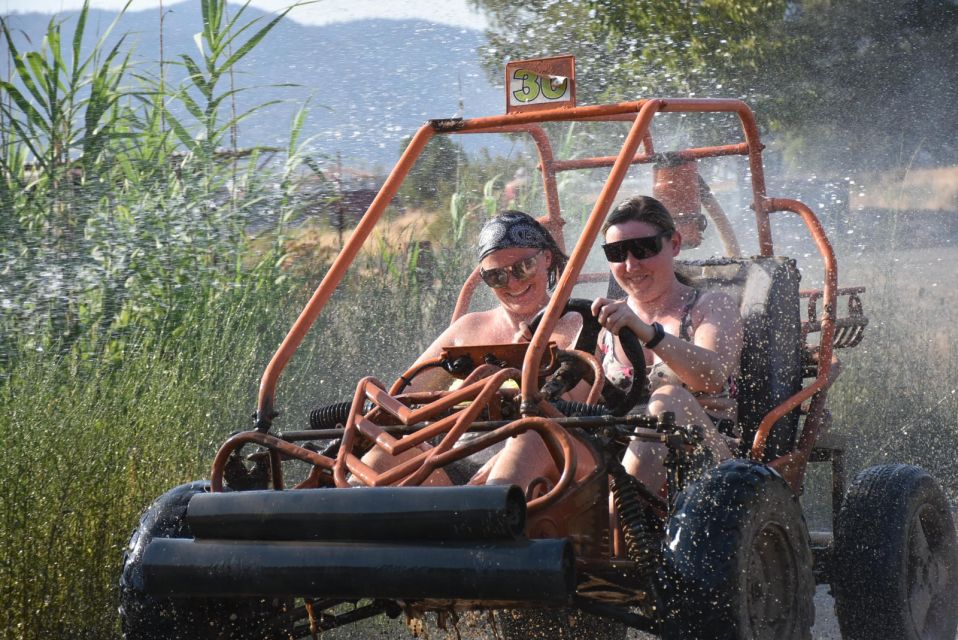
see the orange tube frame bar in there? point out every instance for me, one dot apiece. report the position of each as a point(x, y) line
point(641, 112)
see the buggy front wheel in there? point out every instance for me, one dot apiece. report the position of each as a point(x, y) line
point(736, 560)
point(144, 617)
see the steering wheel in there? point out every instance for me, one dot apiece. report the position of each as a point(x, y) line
point(616, 401)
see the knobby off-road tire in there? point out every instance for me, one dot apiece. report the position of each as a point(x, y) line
point(144, 617)
point(557, 624)
point(736, 561)
point(895, 558)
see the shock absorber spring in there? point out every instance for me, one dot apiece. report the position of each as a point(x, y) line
point(635, 520)
point(329, 416)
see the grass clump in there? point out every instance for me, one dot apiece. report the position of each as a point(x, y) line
point(88, 444)
point(898, 393)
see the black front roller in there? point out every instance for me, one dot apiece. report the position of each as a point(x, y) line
point(362, 513)
point(147, 617)
point(535, 571)
point(895, 558)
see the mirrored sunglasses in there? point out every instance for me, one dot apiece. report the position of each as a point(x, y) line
point(521, 270)
point(640, 248)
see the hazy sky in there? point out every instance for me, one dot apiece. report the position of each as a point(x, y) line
point(451, 12)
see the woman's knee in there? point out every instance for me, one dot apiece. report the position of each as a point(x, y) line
point(645, 462)
point(523, 458)
point(687, 410)
point(672, 398)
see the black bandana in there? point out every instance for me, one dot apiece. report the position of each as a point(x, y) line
point(512, 230)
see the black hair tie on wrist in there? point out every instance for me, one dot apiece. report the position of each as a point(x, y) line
point(656, 337)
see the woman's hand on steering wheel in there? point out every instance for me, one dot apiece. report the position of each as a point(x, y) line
point(617, 401)
point(616, 315)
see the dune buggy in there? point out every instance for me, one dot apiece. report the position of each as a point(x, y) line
point(723, 552)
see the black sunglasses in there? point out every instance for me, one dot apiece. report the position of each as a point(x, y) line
point(498, 277)
point(640, 248)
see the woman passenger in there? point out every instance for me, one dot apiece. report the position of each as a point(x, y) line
point(521, 262)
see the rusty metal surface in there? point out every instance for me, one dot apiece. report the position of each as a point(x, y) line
point(849, 329)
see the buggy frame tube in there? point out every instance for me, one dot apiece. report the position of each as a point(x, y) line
point(267, 387)
point(698, 153)
point(530, 395)
point(640, 111)
point(829, 310)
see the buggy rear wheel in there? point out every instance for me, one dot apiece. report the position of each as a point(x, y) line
point(895, 558)
point(144, 617)
point(736, 563)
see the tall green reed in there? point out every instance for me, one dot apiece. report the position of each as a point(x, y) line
point(201, 95)
point(60, 117)
point(112, 215)
point(58, 108)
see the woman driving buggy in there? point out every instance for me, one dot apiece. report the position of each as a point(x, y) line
point(692, 340)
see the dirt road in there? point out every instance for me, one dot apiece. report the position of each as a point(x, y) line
point(826, 626)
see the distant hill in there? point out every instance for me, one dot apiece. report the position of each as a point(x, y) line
point(372, 82)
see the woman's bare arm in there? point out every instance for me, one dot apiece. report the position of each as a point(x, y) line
point(705, 364)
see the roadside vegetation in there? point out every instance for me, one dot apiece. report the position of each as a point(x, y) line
point(138, 308)
point(149, 268)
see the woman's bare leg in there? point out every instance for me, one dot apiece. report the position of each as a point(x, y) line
point(380, 461)
point(525, 458)
point(644, 460)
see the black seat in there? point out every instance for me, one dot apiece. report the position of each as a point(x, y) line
point(770, 372)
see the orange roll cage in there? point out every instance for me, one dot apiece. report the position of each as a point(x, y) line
point(641, 114)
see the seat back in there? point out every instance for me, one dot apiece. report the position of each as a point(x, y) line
point(766, 290)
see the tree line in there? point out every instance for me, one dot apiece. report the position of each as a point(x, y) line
point(844, 84)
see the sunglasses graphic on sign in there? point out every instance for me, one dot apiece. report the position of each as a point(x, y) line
point(543, 83)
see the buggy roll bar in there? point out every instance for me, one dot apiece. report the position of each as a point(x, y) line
point(641, 113)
